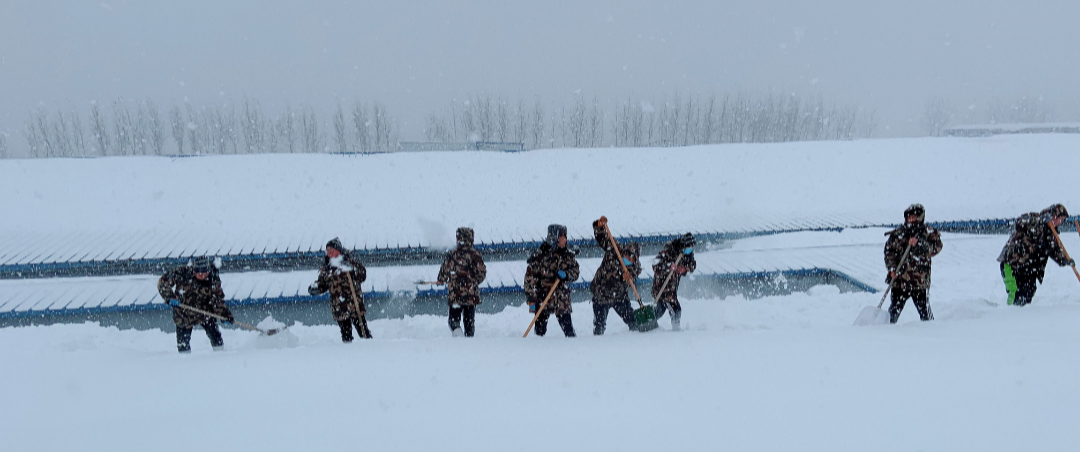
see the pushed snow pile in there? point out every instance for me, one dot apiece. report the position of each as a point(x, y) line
point(282, 339)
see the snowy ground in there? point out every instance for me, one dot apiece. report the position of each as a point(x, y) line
point(786, 373)
point(781, 373)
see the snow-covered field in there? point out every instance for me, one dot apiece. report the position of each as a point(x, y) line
point(779, 373)
point(786, 373)
point(74, 209)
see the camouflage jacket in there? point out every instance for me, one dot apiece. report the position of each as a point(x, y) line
point(608, 286)
point(542, 273)
point(334, 278)
point(180, 284)
point(463, 270)
point(916, 271)
point(664, 261)
point(1031, 244)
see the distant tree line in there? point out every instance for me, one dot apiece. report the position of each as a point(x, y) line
point(676, 121)
point(140, 128)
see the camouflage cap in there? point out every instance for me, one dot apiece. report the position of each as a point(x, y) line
point(464, 236)
point(554, 232)
point(916, 210)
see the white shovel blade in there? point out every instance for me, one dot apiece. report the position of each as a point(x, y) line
point(872, 315)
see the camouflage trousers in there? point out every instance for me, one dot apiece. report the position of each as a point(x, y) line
point(899, 299)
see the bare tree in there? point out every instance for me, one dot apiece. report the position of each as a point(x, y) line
point(936, 116)
point(341, 137)
point(99, 129)
point(310, 139)
point(178, 126)
point(361, 126)
point(251, 123)
point(286, 126)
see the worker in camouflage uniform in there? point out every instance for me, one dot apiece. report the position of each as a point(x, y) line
point(462, 272)
point(675, 260)
point(609, 285)
point(911, 280)
point(1023, 260)
point(198, 286)
point(553, 263)
point(341, 275)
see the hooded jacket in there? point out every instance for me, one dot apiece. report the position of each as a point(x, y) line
point(462, 271)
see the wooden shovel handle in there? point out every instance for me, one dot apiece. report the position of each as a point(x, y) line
point(615, 246)
point(220, 317)
point(542, 306)
point(1063, 250)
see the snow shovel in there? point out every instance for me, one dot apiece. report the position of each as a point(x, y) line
point(542, 306)
point(644, 316)
point(668, 279)
point(1062, 245)
point(875, 316)
point(243, 325)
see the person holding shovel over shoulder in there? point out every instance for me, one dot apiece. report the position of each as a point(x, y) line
point(553, 263)
point(462, 272)
point(1023, 259)
point(608, 286)
point(673, 262)
point(197, 286)
point(915, 244)
point(341, 275)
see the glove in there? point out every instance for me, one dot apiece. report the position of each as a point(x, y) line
point(688, 251)
point(562, 274)
point(532, 308)
point(627, 262)
point(680, 270)
point(227, 322)
point(1071, 263)
point(173, 302)
point(313, 289)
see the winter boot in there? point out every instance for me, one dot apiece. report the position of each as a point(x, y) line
point(456, 332)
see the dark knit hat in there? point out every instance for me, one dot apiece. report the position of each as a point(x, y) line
point(203, 265)
point(554, 232)
point(336, 244)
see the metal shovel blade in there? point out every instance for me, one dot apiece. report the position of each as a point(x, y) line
point(872, 315)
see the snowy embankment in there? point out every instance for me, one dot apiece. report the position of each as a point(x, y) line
point(782, 373)
point(93, 208)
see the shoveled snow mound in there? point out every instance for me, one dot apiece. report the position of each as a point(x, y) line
point(780, 373)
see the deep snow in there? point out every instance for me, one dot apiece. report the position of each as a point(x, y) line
point(780, 373)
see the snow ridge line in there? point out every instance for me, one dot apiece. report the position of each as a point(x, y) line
point(501, 296)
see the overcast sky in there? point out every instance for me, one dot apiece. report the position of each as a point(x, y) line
point(416, 57)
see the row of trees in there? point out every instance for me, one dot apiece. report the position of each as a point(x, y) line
point(139, 128)
point(677, 121)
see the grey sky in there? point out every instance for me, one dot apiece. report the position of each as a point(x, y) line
point(417, 56)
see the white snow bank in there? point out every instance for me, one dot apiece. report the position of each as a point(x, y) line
point(251, 203)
